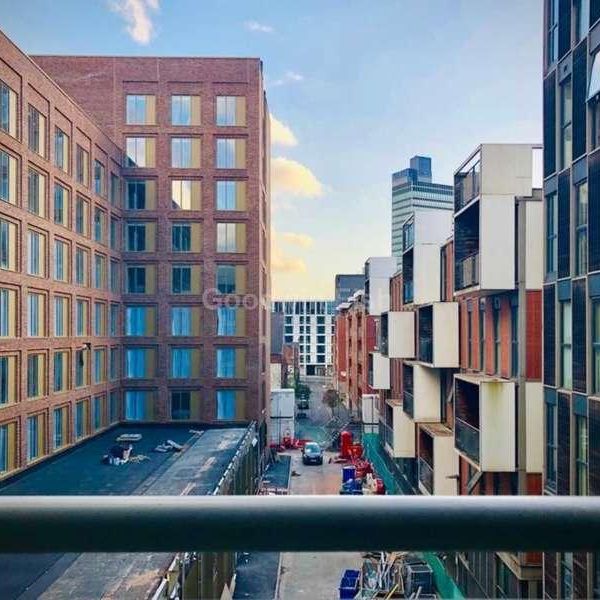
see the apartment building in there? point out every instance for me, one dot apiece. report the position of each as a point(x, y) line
point(309, 323)
point(354, 341)
point(134, 234)
point(571, 291)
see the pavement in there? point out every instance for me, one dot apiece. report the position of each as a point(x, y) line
point(315, 575)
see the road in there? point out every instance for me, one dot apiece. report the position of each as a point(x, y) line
point(315, 575)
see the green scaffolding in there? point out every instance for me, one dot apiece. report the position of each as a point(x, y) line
point(444, 584)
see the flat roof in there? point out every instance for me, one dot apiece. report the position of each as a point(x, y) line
point(79, 471)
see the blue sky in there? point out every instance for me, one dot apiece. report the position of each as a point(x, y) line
point(361, 86)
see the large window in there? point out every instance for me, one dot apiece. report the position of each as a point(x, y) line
point(181, 320)
point(226, 363)
point(581, 455)
point(136, 280)
point(231, 153)
point(581, 18)
point(180, 405)
point(99, 224)
point(99, 178)
point(99, 365)
point(231, 237)
point(61, 150)
point(99, 271)
point(81, 317)
point(226, 279)
point(59, 419)
point(61, 260)
point(81, 370)
point(136, 194)
point(136, 237)
point(227, 320)
point(60, 371)
point(140, 109)
point(82, 166)
point(34, 433)
point(551, 233)
point(181, 153)
point(8, 113)
point(596, 345)
point(182, 108)
point(229, 405)
point(231, 195)
point(35, 253)
point(181, 362)
point(566, 126)
point(135, 405)
point(135, 362)
point(181, 237)
point(8, 178)
point(181, 279)
point(566, 352)
point(81, 260)
point(140, 151)
point(552, 32)
point(35, 316)
point(139, 320)
point(581, 231)
point(231, 110)
point(61, 205)
point(36, 196)
point(35, 375)
point(36, 124)
point(81, 216)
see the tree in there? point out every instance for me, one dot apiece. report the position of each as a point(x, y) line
point(331, 398)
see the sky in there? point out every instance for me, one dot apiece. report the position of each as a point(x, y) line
point(355, 88)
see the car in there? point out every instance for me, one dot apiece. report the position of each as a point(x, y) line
point(303, 404)
point(312, 454)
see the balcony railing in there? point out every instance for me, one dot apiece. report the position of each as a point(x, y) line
point(467, 188)
point(467, 271)
point(408, 292)
point(466, 439)
point(426, 349)
point(426, 475)
point(408, 403)
point(32, 524)
point(387, 434)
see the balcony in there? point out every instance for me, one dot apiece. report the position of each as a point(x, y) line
point(400, 432)
point(397, 334)
point(485, 421)
point(422, 393)
point(486, 189)
point(438, 461)
point(379, 371)
point(438, 335)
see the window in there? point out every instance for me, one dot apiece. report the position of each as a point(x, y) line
point(35, 315)
point(514, 340)
point(180, 405)
point(497, 338)
point(139, 320)
point(226, 279)
point(552, 33)
point(61, 150)
point(59, 431)
point(227, 320)
point(36, 196)
point(99, 220)
point(596, 345)
point(114, 234)
point(228, 405)
point(60, 371)
point(8, 241)
point(61, 205)
point(551, 233)
point(35, 375)
point(566, 366)
point(481, 336)
point(80, 266)
point(182, 279)
point(114, 364)
point(231, 153)
point(581, 10)
point(140, 109)
point(231, 110)
point(99, 271)
point(114, 276)
point(181, 234)
point(185, 110)
point(80, 368)
point(138, 195)
point(61, 316)
point(113, 320)
point(231, 195)
point(36, 123)
point(226, 363)
point(81, 318)
point(181, 320)
point(566, 127)
point(80, 420)
point(97, 412)
point(8, 113)
point(140, 151)
point(231, 237)
point(470, 316)
point(99, 319)
point(82, 166)
point(185, 153)
point(99, 365)
point(8, 178)
point(136, 280)
point(99, 178)
point(81, 216)
point(61, 260)
point(136, 237)
point(181, 362)
point(35, 255)
point(8, 372)
point(115, 190)
point(581, 220)
point(34, 433)
point(135, 405)
point(581, 455)
point(7, 447)
point(135, 361)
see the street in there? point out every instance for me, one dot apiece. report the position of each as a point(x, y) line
point(315, 575)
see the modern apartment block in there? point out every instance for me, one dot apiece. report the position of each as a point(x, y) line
point(134, 242)
point(571, 292)
point(346, 285)
point(413, 189)
point(355, 337)
point(309, 323)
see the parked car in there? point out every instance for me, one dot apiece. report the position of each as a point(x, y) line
point(303, 404)
point(312, 453)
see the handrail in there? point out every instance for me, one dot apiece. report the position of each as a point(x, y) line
point(298, 523)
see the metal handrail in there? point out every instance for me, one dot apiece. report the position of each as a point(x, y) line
point(298, 523)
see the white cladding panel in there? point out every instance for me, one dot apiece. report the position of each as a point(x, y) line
point(403, 434)
point(280, 428)
point(506, 169)
point(445, 466)
point(283, 403)
point(432, 226)
point(534, 409)
point(497, 427)
point(534, 245)
point(401, 334)
point(426, 273)
point(369, 408)
point(445, 334)
point(426, 394)
point(381, 371)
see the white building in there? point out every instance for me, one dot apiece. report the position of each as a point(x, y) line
point(309, 323)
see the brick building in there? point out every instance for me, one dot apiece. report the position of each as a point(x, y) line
point(135, 229)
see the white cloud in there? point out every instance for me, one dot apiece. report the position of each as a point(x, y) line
point(287, 264)
point(288, 77)
point(293, 178)
point(296, 239)
point(137, 16)
point(259, 27)
point(281, 134)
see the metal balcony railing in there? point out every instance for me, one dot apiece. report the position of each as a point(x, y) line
point(306, 523)
point(467, 271)
point(467, 188)
point(408, 403)
point(466, 439)
point(426, 349)
point(426, 475)
point(387, 434)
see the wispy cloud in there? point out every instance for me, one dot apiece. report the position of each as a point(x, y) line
point(287, 264)
point(293, 178)
point(297, 239)
point(258, 27)
point(137, 16)
point(281, 134)
point(288, 77)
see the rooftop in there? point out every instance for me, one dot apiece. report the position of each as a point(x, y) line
point(194, 471)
